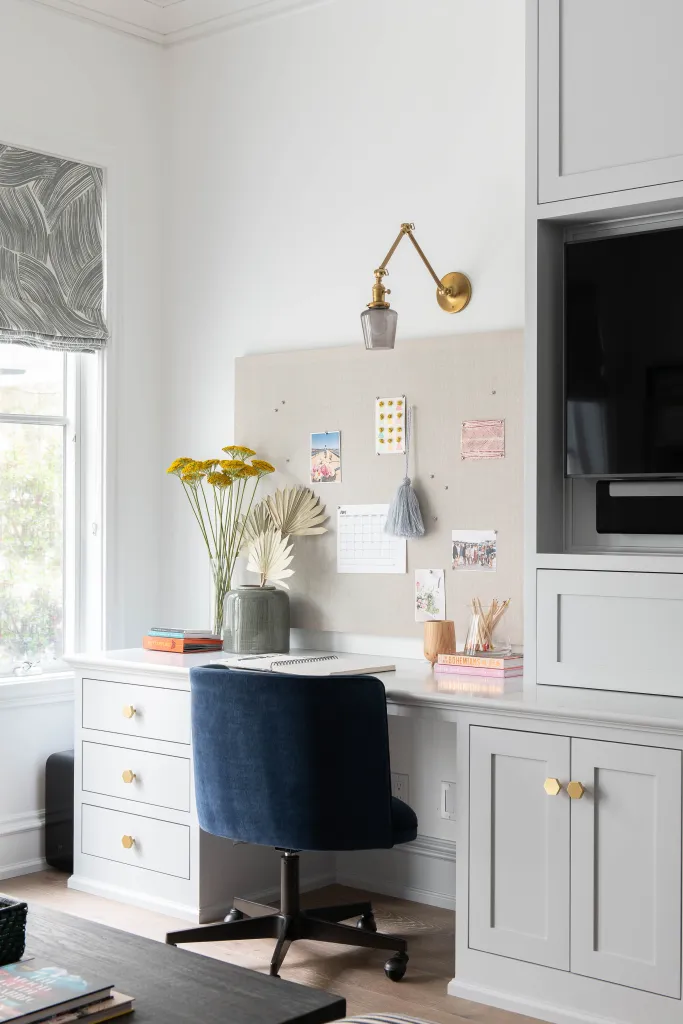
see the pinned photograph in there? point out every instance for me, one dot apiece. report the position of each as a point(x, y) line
point(390, 425)
point(430, 595)
point(326, 457)
point(475, 550)
point(482, 439)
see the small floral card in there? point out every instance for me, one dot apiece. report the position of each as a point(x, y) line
point(430, 595)
point(390, 425)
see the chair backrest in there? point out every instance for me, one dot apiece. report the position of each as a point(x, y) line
point(296, 762)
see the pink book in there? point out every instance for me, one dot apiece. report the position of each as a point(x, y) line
point(494, 673)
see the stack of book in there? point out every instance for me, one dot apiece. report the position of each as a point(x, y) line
point(32, 990)
point(506, 667)
point(181, 641)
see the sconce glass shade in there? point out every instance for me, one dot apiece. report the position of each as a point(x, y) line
point(379, 327)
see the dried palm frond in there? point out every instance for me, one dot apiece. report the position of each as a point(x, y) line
point(257, 522)
point(297, 512)
point(269, 556)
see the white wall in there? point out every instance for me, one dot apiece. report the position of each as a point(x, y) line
point(83, 92)
point(298, 146)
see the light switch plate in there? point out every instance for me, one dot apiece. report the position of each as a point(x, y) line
point(448, 800)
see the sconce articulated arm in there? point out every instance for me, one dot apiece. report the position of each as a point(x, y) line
point(453, 292)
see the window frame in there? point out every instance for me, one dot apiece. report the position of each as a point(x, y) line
point(82, 505)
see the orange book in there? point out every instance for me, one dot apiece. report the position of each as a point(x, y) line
point(173, 646)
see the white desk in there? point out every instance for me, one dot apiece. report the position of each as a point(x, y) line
point(568, 909)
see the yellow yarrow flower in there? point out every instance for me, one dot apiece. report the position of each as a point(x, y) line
point(219, 479)
point(231, 465)
point(239, 451)
point(208, 463)
point(191, 477)
point(178, 465)
point(247, 471)
point(262, 466)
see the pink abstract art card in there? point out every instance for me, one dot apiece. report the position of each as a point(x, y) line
point(482, 439)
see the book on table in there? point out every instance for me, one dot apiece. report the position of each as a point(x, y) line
point(175, 633)
point(171, 645)
point(117, 1005)
point(464, 670)
point(33, 990)
point(481, 664)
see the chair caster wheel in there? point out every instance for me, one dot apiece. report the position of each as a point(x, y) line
point(367, 923)
point(396, 966)
point(233, 915)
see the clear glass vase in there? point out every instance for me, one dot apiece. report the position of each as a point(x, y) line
point(221, 584)
point(481, 639)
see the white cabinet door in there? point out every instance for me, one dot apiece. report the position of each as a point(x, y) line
point(610, 92)
point(626, 866)
point(519, 846)
point(592, 626)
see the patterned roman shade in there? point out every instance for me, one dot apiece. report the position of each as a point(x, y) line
point(51, 259)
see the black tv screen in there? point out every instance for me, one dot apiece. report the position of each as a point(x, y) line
point(624, 355)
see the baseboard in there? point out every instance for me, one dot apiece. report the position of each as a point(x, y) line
point(22, 843)
point(23, 867)
point(422, 871)
point(137, 899)
point(537, 1010)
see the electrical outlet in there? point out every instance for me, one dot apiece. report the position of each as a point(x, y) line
point(448, 800)
point(399, 786)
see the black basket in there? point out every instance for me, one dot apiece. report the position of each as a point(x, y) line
point(12, 929)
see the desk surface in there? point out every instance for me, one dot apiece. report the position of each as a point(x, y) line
point(174, 986)
point(414, 685)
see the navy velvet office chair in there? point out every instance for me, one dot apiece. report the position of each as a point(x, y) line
point(297, 763)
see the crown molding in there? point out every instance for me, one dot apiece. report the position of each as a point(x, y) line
point(179, 21)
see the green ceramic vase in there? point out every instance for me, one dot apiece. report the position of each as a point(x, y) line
point(256, 621)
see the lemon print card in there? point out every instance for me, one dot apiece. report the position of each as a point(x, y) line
point(390, 425)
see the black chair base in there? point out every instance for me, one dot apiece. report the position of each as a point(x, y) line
point(255, 921)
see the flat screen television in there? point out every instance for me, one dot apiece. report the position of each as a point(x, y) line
point(624, 355)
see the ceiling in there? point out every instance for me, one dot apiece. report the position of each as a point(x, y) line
point(173, 21)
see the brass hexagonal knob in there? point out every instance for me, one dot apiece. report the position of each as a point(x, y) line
point(575, 790)
point(128, 776)
point(552, 786)
point(127, 842)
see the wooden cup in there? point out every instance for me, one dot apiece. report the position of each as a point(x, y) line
point(439, 639)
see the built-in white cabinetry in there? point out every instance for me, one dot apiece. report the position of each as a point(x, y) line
point(626, 865)
point(610, 88)
point(597, 630)
point(569, 902)
point(519, 879)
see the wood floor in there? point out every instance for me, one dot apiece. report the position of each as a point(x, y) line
point(356, 974)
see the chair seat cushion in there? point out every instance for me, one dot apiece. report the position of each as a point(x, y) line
point(403, 822)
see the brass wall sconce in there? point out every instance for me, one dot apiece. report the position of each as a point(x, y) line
point(453, 292)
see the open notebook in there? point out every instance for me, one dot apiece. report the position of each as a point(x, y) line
point(302, 665)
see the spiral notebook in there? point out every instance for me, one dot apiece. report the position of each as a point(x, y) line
point(312, 665)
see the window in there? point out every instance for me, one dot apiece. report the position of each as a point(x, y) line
point(40, 507)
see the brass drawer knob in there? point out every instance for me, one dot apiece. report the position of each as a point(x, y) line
point(575, 790)
point(552, 786)
point(127, 842)
point(129, 711)
point(128, 776)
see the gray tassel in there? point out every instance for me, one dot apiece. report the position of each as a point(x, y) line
point(405, 518)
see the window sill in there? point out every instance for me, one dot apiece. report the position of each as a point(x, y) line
point(50, 688)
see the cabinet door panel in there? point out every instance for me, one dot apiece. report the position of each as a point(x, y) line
point(610, 87)
point(519, 846)
point(626, 866)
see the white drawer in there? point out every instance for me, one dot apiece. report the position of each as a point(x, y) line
point(136, 775)
point(160, 846)
point(610, 630)
point(147, 711)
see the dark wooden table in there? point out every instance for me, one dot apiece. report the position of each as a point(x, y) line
point(174, 986)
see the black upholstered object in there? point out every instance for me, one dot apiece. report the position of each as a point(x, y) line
point(295, 762)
